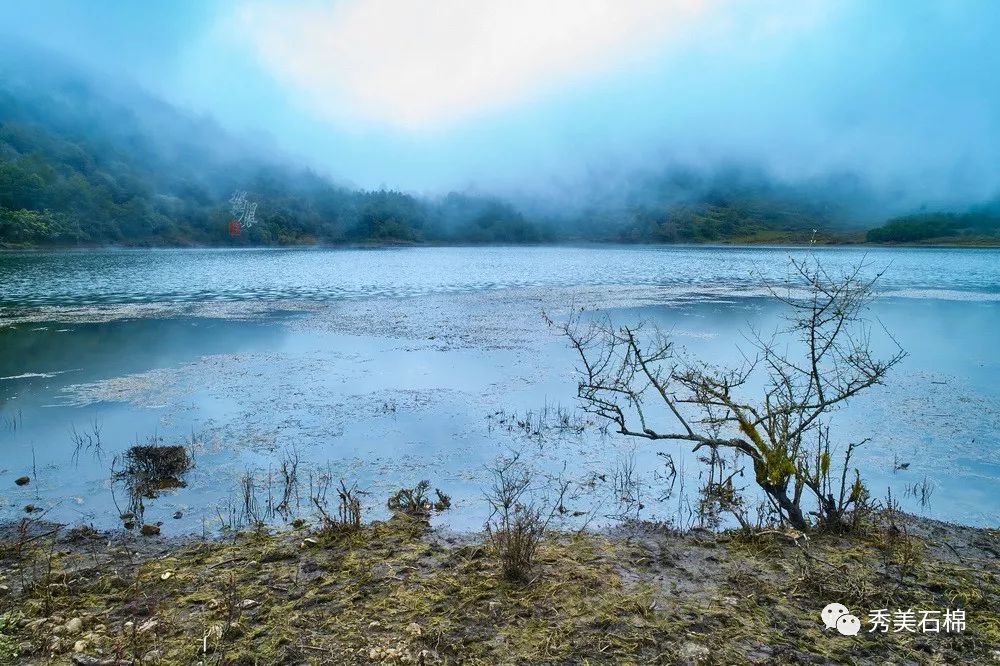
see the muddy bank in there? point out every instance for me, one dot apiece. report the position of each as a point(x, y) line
point(398, 592)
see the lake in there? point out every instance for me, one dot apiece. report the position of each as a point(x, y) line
point(383, 367)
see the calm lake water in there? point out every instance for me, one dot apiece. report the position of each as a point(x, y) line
point(385, 367)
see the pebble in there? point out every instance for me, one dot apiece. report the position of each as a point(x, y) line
point(150, 530)
point(692, 653)
point(22, 480)
point(82, 659)
point(73, 627)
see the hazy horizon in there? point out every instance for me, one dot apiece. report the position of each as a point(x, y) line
point(541, 101)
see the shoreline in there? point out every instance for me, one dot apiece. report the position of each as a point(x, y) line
point(735, 243)
point(401, 592)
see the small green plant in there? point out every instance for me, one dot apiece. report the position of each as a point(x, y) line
point(413, 501)
point(443, 502)
point(8, 631)
point(416, 501)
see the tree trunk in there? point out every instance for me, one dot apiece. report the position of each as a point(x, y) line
point(792, 511)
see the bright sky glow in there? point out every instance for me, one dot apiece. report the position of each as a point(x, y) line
point(416, 64)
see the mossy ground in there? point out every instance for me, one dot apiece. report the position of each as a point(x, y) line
point(396, 592)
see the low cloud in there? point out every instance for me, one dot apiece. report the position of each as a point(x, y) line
point(417, 64)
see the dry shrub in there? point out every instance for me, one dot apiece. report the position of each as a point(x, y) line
point(772, 410)
point(149, 469)
point(349, 509)
point(348, 518)
point(517, 523)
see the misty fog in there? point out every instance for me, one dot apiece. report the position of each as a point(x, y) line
point(855, 106)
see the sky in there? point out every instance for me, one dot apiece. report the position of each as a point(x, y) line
point(546, 95)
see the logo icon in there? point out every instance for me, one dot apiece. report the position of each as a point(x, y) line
point(848, 625)
point(831, 613)
point(836, 616)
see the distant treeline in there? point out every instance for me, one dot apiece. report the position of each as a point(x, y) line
point(724, 218)
point(64, 187)
point(60, 187)
point(971, 226)
point(74, 173)
point(93, 164)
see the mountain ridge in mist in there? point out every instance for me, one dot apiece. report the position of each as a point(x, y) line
point(86, 161)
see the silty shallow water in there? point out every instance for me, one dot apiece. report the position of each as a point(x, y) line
point(388, 366)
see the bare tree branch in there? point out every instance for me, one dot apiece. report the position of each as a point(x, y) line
point(816, 363)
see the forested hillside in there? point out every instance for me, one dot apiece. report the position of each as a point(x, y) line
point(83, 163)
point(978, 225)
point(87, 162)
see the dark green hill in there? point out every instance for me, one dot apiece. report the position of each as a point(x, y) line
point(975, 226)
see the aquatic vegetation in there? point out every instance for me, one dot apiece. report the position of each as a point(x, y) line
point(149, 470)
point(88, 440)
point(416, 502)
point(12, 422)
point(155, 461)
point(922, 490)
point(348, 518)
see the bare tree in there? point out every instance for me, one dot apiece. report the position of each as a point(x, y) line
point(773, 407)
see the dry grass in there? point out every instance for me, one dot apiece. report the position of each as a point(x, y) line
point(392, 592)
